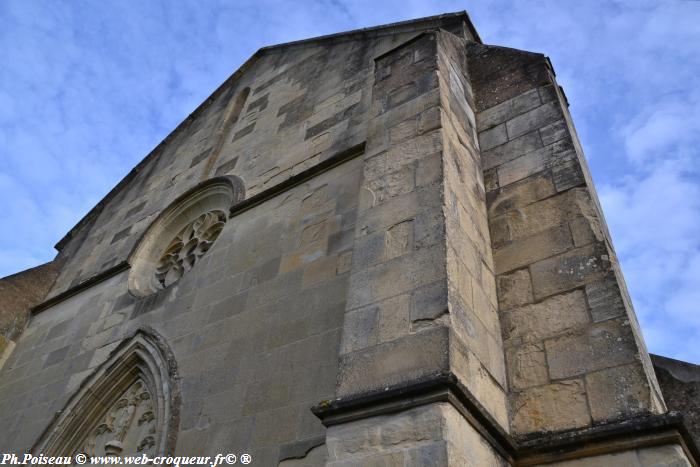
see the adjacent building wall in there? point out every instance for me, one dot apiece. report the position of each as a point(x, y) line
point(680, 385)
point(18, 294)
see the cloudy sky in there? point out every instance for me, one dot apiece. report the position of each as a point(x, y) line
point(88, 88)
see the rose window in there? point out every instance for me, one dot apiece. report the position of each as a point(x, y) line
point(190, 244)
point(182, 234)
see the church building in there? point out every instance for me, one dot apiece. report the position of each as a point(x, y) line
point(381, 247)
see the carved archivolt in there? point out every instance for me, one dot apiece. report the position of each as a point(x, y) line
point(182, 234)
point(128, 407)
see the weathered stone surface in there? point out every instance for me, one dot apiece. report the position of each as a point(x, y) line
point(509, 109)
point(553, 132)
point(626, 458)
point(404, 359)
point(514, 289)
point(555, 406)
point(569, 270)
point(619, 392)
point(603, 345)
point(20, 292)
point(363, 438)
point(671, 455)
point(520, 194)
point(604, 299)
point(493, 137)
point(518, 253)
point(527, 366)
point(510, 150)
point(533, 119)
point(535, 161)
point(547, 318)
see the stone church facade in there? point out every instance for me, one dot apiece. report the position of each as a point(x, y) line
point(380, 247)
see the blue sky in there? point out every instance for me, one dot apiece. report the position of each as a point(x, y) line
point(88, 88)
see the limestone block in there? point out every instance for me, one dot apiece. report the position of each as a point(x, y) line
point(429, 170)
point(429, 302)
point(527, 366)
point(534, 119)
point(551, 212)
point(360, 329)
point(514, 289)
point(369, 250)
point(493, 137)
point(465, 446)
point(344, 262)
point(429, 120)
point(320, 270)
point(567, 174)
point(624, 458)
point(400, 360)
point(671, 455)
point(520, 194)
point(582, 232)
point(535, 161)
point(511, 150)
point(605, 299)
point(557, 406)
point(490, 180)
point(414, 149)
point(618, 392)
point(508, 109)
point(524, 251)
point(383, 434)
point(554, 132)
point(545, 319)
point(603, 345)
point(569, 270)
point(403, 130)
point(399, 239)
point(396, 276)
point(401, 208)
point(479, 380)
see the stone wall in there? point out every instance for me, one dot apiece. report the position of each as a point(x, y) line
point(302, 104)
point(433, 434)
point(254, 328)
point(18, 294)
point(680, 385)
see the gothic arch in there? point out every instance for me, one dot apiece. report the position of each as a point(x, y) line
point(128, 406)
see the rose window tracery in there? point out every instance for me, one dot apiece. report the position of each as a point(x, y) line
point(190, 244)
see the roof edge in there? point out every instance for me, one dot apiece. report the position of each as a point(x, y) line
point(397, 27)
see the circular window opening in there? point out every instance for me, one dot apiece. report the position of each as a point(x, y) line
point(181, 235)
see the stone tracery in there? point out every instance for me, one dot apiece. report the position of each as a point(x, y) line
point(128, 407)
point(190, 244)
point(126, 428)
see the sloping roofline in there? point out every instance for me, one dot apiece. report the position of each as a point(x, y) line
point(419, 24)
